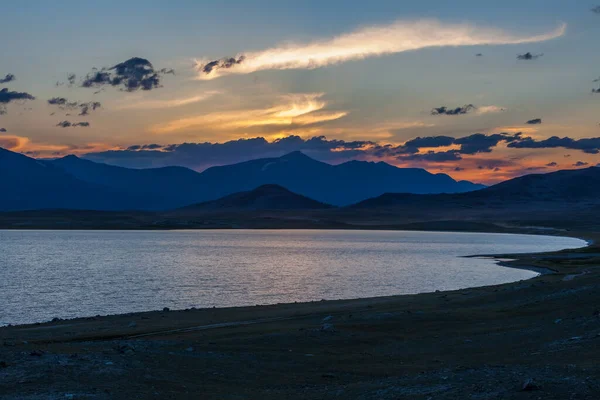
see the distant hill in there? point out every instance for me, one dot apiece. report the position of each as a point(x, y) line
point(72, 182)
point(556, 190)
point(266, 197)
point(339, 185)
point(158, 188)
point(29, 184)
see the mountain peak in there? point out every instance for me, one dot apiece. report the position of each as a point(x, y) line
point(264, 197)
point(296, 155)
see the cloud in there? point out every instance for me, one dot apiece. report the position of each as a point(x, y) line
point(7, 78)
point(596, 10)
point(529, 56)
point(86, 107)
point(3, 130)
point(589, 145)
point(453, 111)
point(431, 156)
point(367, 42)
point(202, 155)
point(13, 143)
point(581, 164)
point(480, 143)
point(68, 124)
point(65, 104)
point(432, 141)
point(160, 104)
point(552, 164)
point(294, 110)
point(131, 75)
point(536, 121)
point(7, 96)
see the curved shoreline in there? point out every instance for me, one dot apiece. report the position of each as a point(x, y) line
point(514, 262)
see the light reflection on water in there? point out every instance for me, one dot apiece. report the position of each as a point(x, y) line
point(46, 274)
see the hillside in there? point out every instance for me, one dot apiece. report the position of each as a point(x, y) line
point(266, 197)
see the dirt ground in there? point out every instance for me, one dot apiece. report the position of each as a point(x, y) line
point(535, 339)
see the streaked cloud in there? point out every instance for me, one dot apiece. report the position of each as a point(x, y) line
point(367, 42)
point(159, 104)
point(295, 109)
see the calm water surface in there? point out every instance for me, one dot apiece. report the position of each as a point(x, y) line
point(46, 274)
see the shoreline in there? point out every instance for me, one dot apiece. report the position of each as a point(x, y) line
point(514, 262)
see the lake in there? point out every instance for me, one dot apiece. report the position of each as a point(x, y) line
point(65, 274)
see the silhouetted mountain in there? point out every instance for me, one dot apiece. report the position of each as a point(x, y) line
point(555, 190)
point(31, 184)
point(168, 187)
point(72, 182)
point(342, 184)
point(266, 197)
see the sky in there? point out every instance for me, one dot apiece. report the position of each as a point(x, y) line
point(483, 92)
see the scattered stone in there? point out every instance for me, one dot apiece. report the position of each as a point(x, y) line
point(327, 328)
point(126, 349)
point(132, 324)
point(575, 338)
point(56, 319)
point(36, 353)
point(328, 376)
point(327, 318)
point(190, 349)
point(166, 309)
point(530, 385)
point(108, 363)
point(558, 321)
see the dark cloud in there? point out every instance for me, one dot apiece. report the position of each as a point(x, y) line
point(478, 55)
point(3, 130)
point(131, 75)
point(536, 121)
point(84, 108)
point(590, 146)
point(7, 78)
point(458, 169)
point(596, 10)
point(223, 63)
point(552, 164)
point(529, 56)
point(7, 97)
point(480, 143)
point(201, 155)
point(580, 164)
point(453, 111)
point(432, 141)
point(431, 156)
point(68, 124)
